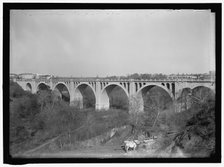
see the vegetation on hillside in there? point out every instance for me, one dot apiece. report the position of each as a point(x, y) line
point(36, 118)
point(15, 90)
point(197, 137)
point(192, 130)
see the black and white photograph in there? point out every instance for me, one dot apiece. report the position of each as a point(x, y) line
point(110, 83)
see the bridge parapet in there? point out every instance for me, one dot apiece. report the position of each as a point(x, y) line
point(42, 80)
point(25, 80)
point(115, 80)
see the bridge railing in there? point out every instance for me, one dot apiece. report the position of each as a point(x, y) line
point(113, 80)
point(23, 79)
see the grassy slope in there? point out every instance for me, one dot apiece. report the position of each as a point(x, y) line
point(34, 119)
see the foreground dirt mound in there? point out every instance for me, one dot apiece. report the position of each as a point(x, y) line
point(115, 136)
point(108, 142)
point(118, 138)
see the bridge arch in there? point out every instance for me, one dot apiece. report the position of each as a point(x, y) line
point(28, 87)
point(194, 94)
point(203, 92)
point(86, 83)
point(105, 99)
point(203, 86)
point(63, 89)
point(115, 84)
point(84, 96)
point(155, 84)
point(43, 86)
point(60, 83)
point(184, 92)
point(143, 93)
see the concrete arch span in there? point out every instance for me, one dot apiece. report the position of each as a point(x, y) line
point(43, 86)
point(202, 93)
point(29, 87)
point(196, 91)
point(153, 96)
point(84, 96)
point(149, 86)
point(194, 95)
point(62, 91)
point(184, 92)
point(114, 95)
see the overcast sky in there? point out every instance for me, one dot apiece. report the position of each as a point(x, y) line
point(111, 42)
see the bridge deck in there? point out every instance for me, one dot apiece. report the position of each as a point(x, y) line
point(116, 80)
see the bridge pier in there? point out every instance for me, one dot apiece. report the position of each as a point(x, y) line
point(102, 106)
point(102, 98)
point(136, 103)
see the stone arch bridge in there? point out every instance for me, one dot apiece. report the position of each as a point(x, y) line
point(101, 88)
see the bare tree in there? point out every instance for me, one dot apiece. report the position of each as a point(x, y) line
point(55, 96)
point(136, 112)
point(44, 96)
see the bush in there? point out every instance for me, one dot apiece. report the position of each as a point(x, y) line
point(15, 90)
point(56, 120)
point(198, 135)
point(97, 123)
point(23, 111)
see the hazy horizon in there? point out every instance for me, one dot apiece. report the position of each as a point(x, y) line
point(89, 43)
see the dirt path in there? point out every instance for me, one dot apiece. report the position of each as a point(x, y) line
point(106, 151)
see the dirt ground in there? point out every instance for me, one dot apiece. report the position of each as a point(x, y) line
point(106, 151)
point(110, 149)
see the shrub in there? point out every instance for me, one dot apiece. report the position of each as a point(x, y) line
point(97, 123)
point(198, 135)
point(22, 118)
point(15, 90)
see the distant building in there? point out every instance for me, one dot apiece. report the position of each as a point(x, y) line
point(26, 76)
point(40, 76)
point(13, 76)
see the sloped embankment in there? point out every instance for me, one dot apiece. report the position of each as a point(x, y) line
point(197, 137)
point(98, 128)
point(111, 139)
